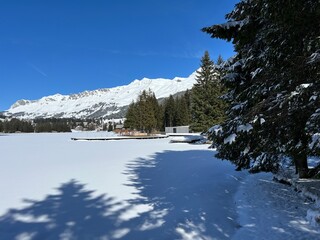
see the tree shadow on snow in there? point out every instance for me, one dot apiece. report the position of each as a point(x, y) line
point(191, 194)
point(72, 213)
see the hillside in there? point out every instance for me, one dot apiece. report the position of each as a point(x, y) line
point(106, 103)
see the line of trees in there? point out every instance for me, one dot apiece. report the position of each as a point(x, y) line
point(12, 125)
point(15, 125)
point(39, 125)
point(147, 115)
point(199, 108)
point(144, 114)
point(52, 125)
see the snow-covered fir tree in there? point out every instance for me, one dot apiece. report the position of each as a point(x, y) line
point(206, 105)
point(274, 84)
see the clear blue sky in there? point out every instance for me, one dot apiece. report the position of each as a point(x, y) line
point(68, 46)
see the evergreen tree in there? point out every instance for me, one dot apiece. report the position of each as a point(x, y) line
point(220, 60)
point(182, 112)
point(207, 106)
point(273, 82)
point(157, 110)
point(131, 121)
point(187, 97)
point(145, 114)
point(169, 112)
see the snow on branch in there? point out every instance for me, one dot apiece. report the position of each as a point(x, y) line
point(255, 73)
point(230, 139)
point(215, 129)
point(244, 128)
point(230, 77)
point(315, 143)
point(239, 105)
point(300, 88)
point(314, 58)
point(233, 24)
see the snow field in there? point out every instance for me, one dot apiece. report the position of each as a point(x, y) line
point(137, 189)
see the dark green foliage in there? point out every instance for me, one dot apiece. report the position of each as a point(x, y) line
point(131, 121)
point(15, 125)
point(157, 110)
point(147, 117)
point(43, 127)
point(220, 60)
point(169, 112)
point(52, 125)
point(207, 106)
point(66, 124)
point(182, 116)
point(176, 111)
point(145, 114)
point(273, 82)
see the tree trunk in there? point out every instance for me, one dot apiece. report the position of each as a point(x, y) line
point(301, 163)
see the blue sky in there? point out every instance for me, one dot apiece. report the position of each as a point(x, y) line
point(68, 46)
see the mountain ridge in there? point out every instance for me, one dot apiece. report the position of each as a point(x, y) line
point(99, 103)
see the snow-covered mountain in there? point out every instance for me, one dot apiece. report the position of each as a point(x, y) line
point(108, 102)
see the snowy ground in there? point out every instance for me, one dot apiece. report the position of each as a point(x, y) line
point(55, 188)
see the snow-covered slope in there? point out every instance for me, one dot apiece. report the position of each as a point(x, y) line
point(98, 103)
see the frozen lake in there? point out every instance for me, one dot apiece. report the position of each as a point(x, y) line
point(55, 188)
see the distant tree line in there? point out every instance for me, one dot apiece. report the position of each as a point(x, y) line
point(16, 125)
point(12, 125)
point(39, 125)
point(52, 125)
point(147, 115)
point(200, 107)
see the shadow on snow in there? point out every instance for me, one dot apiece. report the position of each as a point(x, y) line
point(72, 213)
point(189, 195)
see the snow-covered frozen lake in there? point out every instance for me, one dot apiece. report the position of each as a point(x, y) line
point(55, 188)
